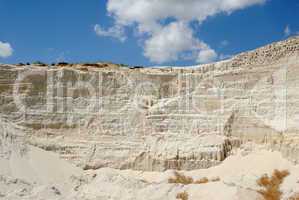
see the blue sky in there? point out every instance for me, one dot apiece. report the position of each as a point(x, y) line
point(63, 30)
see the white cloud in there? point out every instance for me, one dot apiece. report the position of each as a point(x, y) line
point(173, 41)
point(287, 31)
point(148, 12)
point(206, 56)
point(5, 50)
point(165, 42)
point(114, 31)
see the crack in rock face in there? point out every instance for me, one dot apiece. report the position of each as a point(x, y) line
point(11, 140)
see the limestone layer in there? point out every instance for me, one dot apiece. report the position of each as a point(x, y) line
point(104, 115)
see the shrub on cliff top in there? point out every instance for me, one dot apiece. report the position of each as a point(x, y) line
point(39, 63)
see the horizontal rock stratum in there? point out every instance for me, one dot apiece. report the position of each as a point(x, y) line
point(153, 119)
point(105, 131)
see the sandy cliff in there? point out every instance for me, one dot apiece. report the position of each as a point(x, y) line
point(156, 119)
point(102, 116)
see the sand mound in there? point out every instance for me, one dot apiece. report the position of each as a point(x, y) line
point(237, 176)
point(27, 172)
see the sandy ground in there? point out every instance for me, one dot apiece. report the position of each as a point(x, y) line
point(37, 174)
point(27, 172)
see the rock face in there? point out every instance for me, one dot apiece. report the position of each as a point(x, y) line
point(153, 119)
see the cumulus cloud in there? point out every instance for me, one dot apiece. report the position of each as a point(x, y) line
point(287, 31)
point(170, 41)
point(5, 50)
point(175, 41)
point(206, 56)
point(114, 31)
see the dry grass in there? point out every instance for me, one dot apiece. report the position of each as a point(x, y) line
point(185, 180)
point(215, 179)
point(271, 185)
point(183, 196)
point(202, 181)
point(181, 179)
